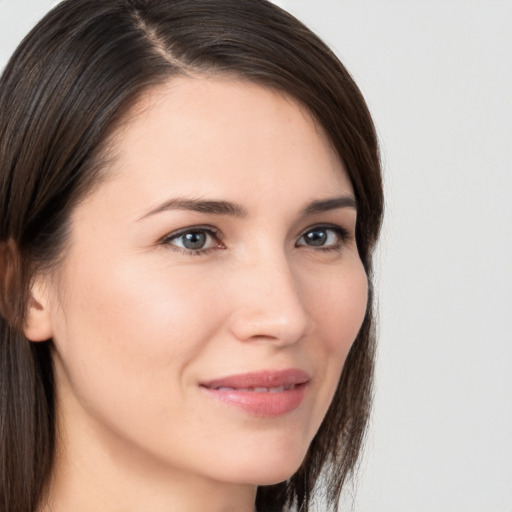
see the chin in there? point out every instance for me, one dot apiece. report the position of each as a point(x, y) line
point(269, 468)
point(273, 477)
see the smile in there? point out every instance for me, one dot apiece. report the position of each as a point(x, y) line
point(265, 394)
point(276, 389)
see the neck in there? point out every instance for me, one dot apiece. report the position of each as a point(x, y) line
point(96, 483)
point(96, 470)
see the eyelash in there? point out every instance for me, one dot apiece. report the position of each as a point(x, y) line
point(208, 230)
point(343, 237)
point(342, 234)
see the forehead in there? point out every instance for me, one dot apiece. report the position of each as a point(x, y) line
point(221, 130)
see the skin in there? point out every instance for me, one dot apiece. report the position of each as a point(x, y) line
point(138, 321)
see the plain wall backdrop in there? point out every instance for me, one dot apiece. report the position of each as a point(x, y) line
point(438, 79)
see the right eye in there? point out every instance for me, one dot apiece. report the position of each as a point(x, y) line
point(193, 240)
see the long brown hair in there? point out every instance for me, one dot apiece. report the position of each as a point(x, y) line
point(62, 93)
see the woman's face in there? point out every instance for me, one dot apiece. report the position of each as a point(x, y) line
point(211, 290)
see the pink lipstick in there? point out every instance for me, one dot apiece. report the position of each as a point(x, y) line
point(266, 394)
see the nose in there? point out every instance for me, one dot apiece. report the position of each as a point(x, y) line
point(268, 303)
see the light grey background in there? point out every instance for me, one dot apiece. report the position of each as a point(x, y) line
point(438, 78)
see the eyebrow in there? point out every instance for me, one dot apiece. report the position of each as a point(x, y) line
point(325, 205)
point(213, 207)
point(201, 206)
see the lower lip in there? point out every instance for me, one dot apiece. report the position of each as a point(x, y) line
point(266, 404)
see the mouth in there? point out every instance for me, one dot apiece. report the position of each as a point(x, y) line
point(265, 394)
point(276, 389)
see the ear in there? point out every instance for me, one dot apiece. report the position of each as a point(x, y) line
point(37, 325)
point(38, 321)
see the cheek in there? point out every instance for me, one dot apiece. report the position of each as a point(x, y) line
point(338, 305)
point(125, 340)
point(137, 308)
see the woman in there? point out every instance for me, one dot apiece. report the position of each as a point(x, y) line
point(190, 197)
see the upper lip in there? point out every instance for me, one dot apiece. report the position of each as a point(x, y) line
point(264, 379)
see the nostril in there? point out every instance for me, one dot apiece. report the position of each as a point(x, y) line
point(271, 325)
point(266, 301)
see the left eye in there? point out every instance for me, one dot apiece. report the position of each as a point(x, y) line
point(193, 239)
point(322, 236)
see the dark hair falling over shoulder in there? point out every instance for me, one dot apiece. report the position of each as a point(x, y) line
point(63, 92)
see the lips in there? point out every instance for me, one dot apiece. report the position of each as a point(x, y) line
point(263, 394)
point(274, 389)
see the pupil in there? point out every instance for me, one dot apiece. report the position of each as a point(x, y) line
point(195, 240)
point(316, 238)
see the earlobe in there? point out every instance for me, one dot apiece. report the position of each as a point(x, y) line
point(38, 324)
